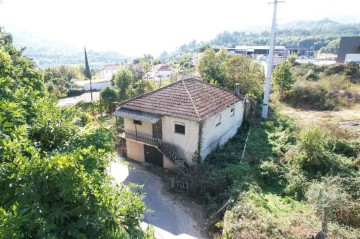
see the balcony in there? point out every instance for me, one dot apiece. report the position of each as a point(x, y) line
point(145, 138)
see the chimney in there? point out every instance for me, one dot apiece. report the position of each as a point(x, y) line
point(237, 89)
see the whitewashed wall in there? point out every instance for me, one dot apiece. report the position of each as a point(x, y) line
point(144, 128)
point(186, 143)
point(97, 86)
point(214, 135)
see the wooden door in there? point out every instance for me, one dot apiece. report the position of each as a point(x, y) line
point(157, 130)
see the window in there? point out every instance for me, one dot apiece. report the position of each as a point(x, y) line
point(137, 122)
point(179, 128)
point(232, 112)
point(218, 119)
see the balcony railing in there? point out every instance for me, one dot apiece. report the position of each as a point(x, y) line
point(145, 138)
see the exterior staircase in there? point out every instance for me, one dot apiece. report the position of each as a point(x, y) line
point(171, 154)
point(183, 174)
point(182, 177)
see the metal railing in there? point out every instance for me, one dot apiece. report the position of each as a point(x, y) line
point(168, 150)
point(145, 138)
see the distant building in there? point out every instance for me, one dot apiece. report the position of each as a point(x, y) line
point(253, 50)
point(348, 45)
point(107, 71)
point(160, 71)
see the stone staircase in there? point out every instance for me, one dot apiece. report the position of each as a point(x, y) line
point(170, 153)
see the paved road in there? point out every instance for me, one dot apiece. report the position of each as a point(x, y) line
point(77, 99)
point(169, 220)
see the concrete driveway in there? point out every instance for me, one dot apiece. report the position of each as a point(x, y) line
point(167, 217)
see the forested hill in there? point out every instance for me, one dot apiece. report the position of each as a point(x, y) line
point(323, 35)
point(50, 53)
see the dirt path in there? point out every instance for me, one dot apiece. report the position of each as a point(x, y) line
point(167, 216)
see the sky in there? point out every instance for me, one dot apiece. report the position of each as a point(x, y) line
point(136, 27)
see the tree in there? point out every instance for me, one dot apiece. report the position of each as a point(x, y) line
point(87, 67)
point(240, 69)
point(137, 71)
point(325, 197)
point(144, 86)
point(123, 79)
point(109, 97)
point(146, 66)
point(225, 70)
point(283, 77)
point(209, 66)
point(53, 179)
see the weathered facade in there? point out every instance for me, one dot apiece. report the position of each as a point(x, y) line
point(180, 123)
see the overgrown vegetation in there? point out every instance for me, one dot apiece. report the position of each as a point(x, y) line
point(322, 87)
point(268, 193)
point(291, 182)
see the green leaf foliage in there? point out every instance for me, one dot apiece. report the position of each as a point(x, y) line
point(53, 165)
point(282, 77)
point(227, 70)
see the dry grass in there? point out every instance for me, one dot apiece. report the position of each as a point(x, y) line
point(344, 122)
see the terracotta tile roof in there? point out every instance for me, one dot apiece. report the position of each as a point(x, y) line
point(188, 99)
point(161, 67)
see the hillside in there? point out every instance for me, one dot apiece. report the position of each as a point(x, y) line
point(49, 53)
point(323, 36)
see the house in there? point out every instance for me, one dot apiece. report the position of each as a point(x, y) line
point(107, 71)
point(180, 123)
point(160, 71)
point(348, 45)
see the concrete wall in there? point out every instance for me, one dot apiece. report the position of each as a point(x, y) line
point(97, 86)
point(162, 74)
point(186, 143)
point(135, 150)
point(169, 164)
point(144, 128)
point(214, 134)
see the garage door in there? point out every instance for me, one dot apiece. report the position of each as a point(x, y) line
point(153, 155)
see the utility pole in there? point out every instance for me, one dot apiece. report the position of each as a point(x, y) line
point(269, 65)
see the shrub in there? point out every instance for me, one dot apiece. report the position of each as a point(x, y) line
point(296, 184)
point(335, 82)
point(311, 75)
point(272, 173)
point(313, 97)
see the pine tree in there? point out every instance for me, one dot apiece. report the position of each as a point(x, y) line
point(87, 68)
point(88, 76)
